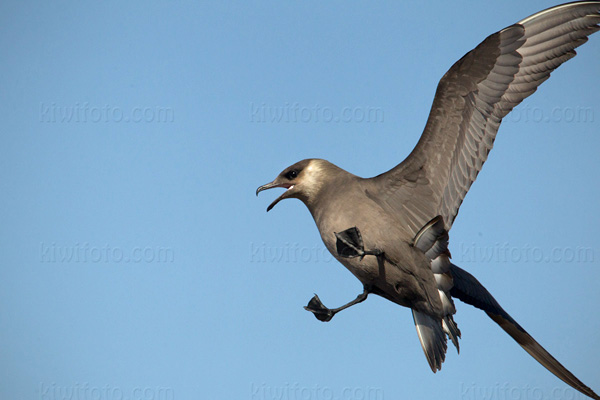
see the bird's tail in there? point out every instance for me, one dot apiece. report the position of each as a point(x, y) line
point(468, 289)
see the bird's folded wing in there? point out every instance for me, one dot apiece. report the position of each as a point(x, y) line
point(470, 102)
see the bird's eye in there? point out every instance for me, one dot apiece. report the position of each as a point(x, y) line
point(292, 174)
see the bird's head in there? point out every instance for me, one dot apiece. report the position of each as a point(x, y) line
point(302, 180)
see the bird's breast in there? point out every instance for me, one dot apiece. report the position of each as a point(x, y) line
point(402, 276)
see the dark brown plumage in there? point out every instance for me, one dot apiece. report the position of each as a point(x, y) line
point(391, 231)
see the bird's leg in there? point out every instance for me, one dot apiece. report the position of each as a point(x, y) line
point(376, 253)
point(325, 314)
point(349, 244)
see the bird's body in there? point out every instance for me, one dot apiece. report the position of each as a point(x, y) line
point(406, 279)
point(391, 231)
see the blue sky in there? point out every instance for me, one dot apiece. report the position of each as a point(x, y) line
point(137, 263)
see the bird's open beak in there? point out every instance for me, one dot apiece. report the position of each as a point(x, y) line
point(272, 185)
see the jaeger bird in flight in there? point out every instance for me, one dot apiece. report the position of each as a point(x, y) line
point(391, 231)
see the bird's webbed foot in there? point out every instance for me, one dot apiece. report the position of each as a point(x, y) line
point(325, 314)
point(349, 244)
point(321, 312)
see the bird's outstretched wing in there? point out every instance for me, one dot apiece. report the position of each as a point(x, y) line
point(470, 102)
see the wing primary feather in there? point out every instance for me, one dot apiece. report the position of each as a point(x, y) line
point(471, 100)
